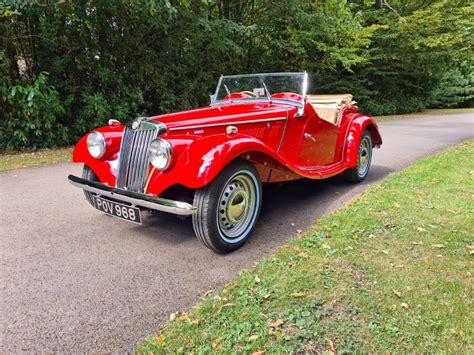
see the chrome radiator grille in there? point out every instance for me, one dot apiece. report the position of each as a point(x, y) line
point(133, 160)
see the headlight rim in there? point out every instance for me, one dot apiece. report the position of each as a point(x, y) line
point(102, 144)
point(168, 149)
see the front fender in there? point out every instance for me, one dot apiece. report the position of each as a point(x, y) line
point(106, 167)
point(204, 159)
point(355, 131)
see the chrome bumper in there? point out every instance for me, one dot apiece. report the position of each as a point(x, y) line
point(134, 198)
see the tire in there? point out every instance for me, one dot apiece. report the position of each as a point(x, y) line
point(228, 208)
point(88, 174)
point(364, 160)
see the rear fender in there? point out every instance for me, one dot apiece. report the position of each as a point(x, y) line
point(356, 129)
point(204, 159)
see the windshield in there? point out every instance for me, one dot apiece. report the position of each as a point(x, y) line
point(275, 86)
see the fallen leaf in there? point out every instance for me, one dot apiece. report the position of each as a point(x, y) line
point(173, 316)
point(297, 294)
point(196, 322)
point(253, 337)
point(216, 346)
point(404, 305)
point(461, 333)
point(258, 353)
point(325, 246)
point(266, 297)
point(417, 243)
point(257, 279)
point(439, 246)
point(471, 252)
point(208, 293)
point(331, 346)
point(277, 323)
point(420, 229)
point(161, 339)
point(397, 205)
point(228, 305)
point(186, 318)
point(385, 252)
point(372, 236)
point(299, 231)
point(303, 255)
point(397, 293)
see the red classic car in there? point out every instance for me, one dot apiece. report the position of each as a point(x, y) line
point(210, 162)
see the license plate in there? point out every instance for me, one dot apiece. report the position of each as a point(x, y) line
point(119, 210)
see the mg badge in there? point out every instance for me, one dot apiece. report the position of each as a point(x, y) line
point(135, 124)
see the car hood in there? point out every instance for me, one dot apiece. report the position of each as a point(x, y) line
point(224, 113)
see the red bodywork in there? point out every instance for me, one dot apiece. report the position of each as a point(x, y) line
point(282, 147)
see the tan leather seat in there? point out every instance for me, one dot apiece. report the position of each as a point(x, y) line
point(328, 106)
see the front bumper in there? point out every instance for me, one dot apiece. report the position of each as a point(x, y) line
point(134, 198)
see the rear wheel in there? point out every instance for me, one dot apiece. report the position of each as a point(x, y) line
point(364, 159)
point(228, 208)
point(88, 174)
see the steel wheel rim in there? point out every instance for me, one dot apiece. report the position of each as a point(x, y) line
point(236, 209)
point(365, 156)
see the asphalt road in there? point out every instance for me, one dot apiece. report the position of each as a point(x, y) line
point(73, 279)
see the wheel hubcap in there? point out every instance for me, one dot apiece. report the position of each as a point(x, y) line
point(365, 155)
point(236, 206)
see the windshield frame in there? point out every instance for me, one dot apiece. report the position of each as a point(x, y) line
point(300, 104)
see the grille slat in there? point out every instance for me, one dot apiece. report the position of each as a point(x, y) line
point(133, 161)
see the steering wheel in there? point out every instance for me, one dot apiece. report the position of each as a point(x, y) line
point(250, 93)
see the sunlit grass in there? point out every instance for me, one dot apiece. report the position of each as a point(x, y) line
point(390, 272)
point(17, 160)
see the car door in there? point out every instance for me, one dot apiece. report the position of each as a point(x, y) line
point(318, 142)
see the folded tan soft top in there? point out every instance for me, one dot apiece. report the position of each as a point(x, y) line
point(328, 106)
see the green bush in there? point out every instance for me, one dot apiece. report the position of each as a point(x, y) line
point(31, 116)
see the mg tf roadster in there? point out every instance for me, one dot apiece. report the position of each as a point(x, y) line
point(210, 162)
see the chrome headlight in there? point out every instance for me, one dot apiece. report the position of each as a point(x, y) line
point(96, 144)
point(159, 154)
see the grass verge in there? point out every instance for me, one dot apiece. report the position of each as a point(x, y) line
point(17, 160)
point(433, 112)
point(391, 271)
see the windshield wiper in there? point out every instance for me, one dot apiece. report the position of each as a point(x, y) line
point(267, 91)
point(228, 92)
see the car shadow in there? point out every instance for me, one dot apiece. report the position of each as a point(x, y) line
point(286, 208)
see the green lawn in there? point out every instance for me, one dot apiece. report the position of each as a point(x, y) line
point(17, 160)
point(390, 272)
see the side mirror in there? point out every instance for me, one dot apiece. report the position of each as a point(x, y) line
point(212, 97)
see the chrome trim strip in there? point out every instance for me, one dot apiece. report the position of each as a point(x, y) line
point(228, 123)
point(258, 99)
point(134, 198)
point(264, 74)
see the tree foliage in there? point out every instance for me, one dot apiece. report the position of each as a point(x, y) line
point(68, 66)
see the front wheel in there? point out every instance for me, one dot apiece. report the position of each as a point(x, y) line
point(228, 208)
point(88, 174)
point(364, 159)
